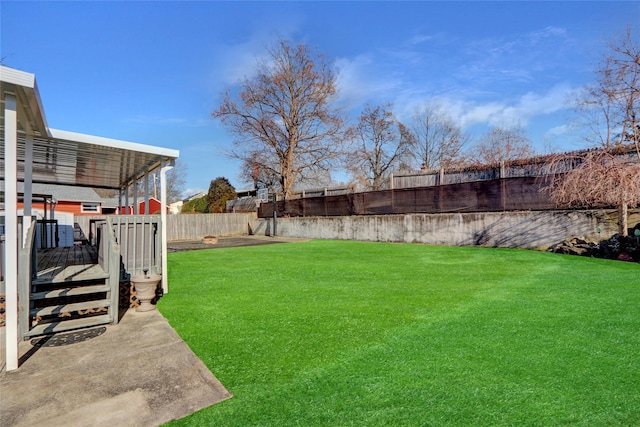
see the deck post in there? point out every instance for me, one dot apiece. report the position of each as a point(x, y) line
point(28, 178)
point(166, 167)
point(136, 207)
point(126, 200)
point(146, 211)
point(114, 276)
point(11, 230)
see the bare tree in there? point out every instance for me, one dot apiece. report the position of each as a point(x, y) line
point(611, 106)
point(253, 170)
point(613, 101)
point(502, 144)
point(596, 179)
point(381, 143)
point(438, 140)
point(176, 180)
point(284, 118)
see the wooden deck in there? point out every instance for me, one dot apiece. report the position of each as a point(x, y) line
point(58, 265)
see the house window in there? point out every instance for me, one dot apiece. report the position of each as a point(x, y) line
point(90, 208)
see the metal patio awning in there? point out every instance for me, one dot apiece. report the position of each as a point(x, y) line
point(69, 158)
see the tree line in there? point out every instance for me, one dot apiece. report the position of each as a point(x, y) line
point(289, 130)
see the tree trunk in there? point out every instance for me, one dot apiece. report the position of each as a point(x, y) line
point(622, 219)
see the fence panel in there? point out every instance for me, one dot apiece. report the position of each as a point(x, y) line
point(196, 226)
point(478, 196)
point(526, 194)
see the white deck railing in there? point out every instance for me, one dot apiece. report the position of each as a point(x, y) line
point(140, 242)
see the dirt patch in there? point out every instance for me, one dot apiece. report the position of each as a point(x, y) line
point(228, 242)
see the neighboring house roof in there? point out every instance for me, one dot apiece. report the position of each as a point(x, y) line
point(195, 196)
point(246, 204)
point(110, 202)
point(64, 192)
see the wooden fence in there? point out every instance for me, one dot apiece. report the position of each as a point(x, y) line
point(479, 196)
point(196, 226)
point(190, 226)
point(535, 167)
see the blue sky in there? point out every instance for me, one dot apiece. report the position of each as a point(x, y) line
point(152, 72)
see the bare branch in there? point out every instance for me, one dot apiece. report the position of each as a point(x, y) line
point(610, 106)
point(502, 144)
point(284, 121)
point(596, 179)
point(438, 140)
point(381, 144)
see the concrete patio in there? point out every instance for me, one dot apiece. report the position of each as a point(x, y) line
point(136, 373)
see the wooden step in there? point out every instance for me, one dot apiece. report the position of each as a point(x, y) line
point(74, 273)
point(67, 325)
point(66, 308)
point(64, 292)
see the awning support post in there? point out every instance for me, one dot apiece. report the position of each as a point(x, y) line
point(166, 167)
point(11, 230)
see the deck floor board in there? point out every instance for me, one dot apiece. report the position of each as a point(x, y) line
point(68, 264)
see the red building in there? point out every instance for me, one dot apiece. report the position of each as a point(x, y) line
point(154, 208)
point(81, 201)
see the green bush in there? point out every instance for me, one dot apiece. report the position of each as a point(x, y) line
point(198, 205)
point(220, 191)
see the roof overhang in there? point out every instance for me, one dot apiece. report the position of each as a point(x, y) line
point(70, 158)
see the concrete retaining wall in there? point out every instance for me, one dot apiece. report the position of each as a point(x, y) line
point(529, 230)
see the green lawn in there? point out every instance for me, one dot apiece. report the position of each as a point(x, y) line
point(369, 334)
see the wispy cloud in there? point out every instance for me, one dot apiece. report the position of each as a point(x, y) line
point(486, 82)
point(416, 51)
point(491, 81)
point(469, 112)
point(534, 104)
point(517, 58)
point(420, 38)
point(360, 80)
point(549, 32)
point(237, 60)
point(167, 121)
point(522, 110)
point(559, 130)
